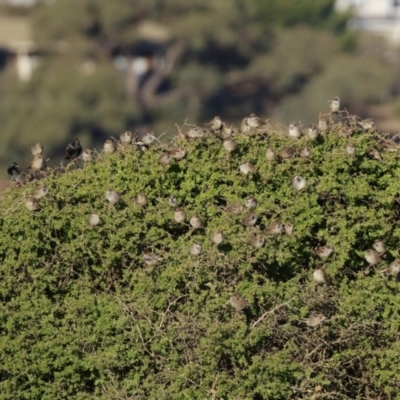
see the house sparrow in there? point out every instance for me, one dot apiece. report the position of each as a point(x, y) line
point(141, 147)
point(299, 183)
point(374, 153)
point(94, 219)
point(324, 251)
point(305, 152)
point(250, 202)
point(195, 133)
point(249, 220)
point(238, 302)
point(37, 163)
point(32, 204)
point(113, 197)
point(320, 276)
point(294, 131)
point(244, 127)
point(109, 147)
point(151, 258)
point(287, 152)
point(394, 268)
point(350, 149)
point(15, 173)
point(195, 249)
point(229, 145)
point(196, 222)
point(254, 122)
point(247, 168)
point(126, 137)
point(40, 192)
point(216, 124)
point(334, 105)
point(217, 237)
point(379, 246)
point(37, 149)
point(257, 241)
point(180, 215)
point(274, 228)
point(270, 155)
point(323, 124)
point(314, 320)
point(178, 153)
point(372, 257)
point(172, 201)
point(73, 150)
point(148, 138)
point(165, 158)
point(234, 208)
point(227, 132)
point(87, 155)
point(312, 132)
point(367, 124)
point(141, 199)
point(390, 147)
point(288, 227)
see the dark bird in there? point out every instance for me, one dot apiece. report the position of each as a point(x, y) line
point(73, 150)
point(15, 173)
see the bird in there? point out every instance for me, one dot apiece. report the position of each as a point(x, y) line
point(379, 246)
point(334, 105)
point(257, 241)
point(247, 168)
point(15, 173)
point(113, 197)
point(323, 124)
point(350, 149)
point(299, 183)
point(314, 320)
point(305, 152)
point(165, 158)
point(238, 302)
point(254, 122)
point(109, 147)
point(87, 155)
point(288, 227)
point(394, 268)
point(374, 153)
point(141, 147)
point(324, 251)
point(32, 204)
point(93, 219)
point(294, 131)
point(148, 138)
point(320, 276)
point(177, 153)
point(249, 220)
point(73, 150)
point(312, 132)
point(195, 249)
point(227, 131)
point(37, 149)
point(372, 257)
point(196, 222)
point(244, 126)
point(216, 124)
point(217, 237)
point(141, 199)
point(286, 152)
point(172, 201)
point(180, 215)
point(270, 155)
point(195, 133)
point(40, 192)
point(250, 202)
point(151, 258)
point(274, 228)
point(229, 145)
point(234, 208)
point(126, 137)
point(367, 124)
point(37, 163)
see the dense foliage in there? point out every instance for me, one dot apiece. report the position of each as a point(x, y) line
point(84, 317)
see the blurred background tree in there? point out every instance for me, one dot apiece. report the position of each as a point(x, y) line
point(106, 67)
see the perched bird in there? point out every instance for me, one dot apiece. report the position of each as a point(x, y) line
point(394, 268)
point(249, 220)
point(270, 155)
point(324, 251)
point(15, 173)
point(141, 199)
point(372, 257)
point(217, 237)
point(94, 219)
point(334, 105)
point(288, 227)
point(148, 138)
point(314, 320)
point(247, 168)
point(320, 276)
point(151, 258)
point(113, 197)
point(180, 215)
point(257, 241)
point(294, 131)
point(37, 163)
point(312, 132)
point(238, 302)
point(37, 149)
point(195, 249)
point(374, 153)
point(244, 126)
point(177, 153)
point(350, 149)
point(73, 150)
point(195, 133)
point(287, 152)
point(87, 155)
point(126, 137)
point(323, 124)
point(234, 208)
point(40, 192)
point(229, 145)
point(250, 202)
point(254, 122)
point(109, 146)
point(299, 183)
point(172, 201)
point(32, 204)
point(274, 228)
point(216, 124)
point(367, 124)
point(165, 158)
point(227, 131)
point(305, 152)
point(196, 222)
point(390, 147)
point(379, 246)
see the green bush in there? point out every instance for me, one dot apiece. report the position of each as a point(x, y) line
point(84, 317)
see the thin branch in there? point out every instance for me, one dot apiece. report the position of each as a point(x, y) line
point(271, 311)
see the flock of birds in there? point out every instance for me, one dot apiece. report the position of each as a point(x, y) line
point(227, 133)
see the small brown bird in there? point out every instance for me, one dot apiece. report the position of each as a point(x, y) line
point(299, 183)
point(394, 268)
point(15, 174)
point(165, 158)
point(172, 201)
point(94, 219)
point(257, 241)
point(141, 147)
point(323, 124)
point(320, 276)
point(227, 132)
point(254, 122)
point(87, 155)
point(274, 228)
point(141, 200)
point(250, 202)
point(374, 153)
point(109, 147)
point(367, 124)
point(196, 222)
point(37, 149)
point(38, 163)
point(324, 251)
point(314, 320)
point(244, 126)
point(288, 228)
point(270, 155)
point(379, 246)
point(32, 204)
point(247, 168)
point(180, 215)
point(73, 150)
point(40, 192)
point(195, 133)
point(372, 257)
point(350, 149)
point(178, 153)
point(126, 137)
point(286, 153)
point(234, 208)
point(294, 131)
point(312, 132)
point(229, 145)
point(334, 105)
point(148, 138)
point(238, 302)
point(195, 249)
point(216, 124)
point(113, 197)
point(249, 220)
point(390, 147)
point(151, 258)
point(305, 152)
point(217, 237)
